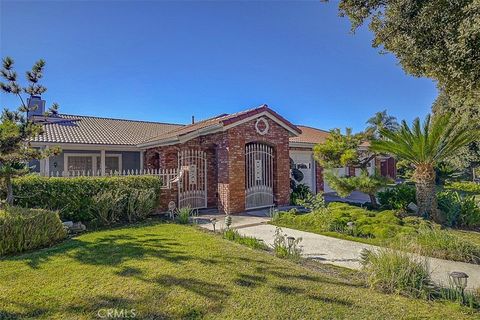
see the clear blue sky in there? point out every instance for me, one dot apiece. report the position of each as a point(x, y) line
point(164, 61)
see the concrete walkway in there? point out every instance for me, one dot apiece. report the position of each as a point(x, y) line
point(335, 251)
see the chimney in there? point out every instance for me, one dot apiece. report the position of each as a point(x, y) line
point(193, 119)
point(36, 106)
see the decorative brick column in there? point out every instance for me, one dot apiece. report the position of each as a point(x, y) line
point(320, 185)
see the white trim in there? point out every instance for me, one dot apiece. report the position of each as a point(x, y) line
point(102, 162)
point(47, 166)
point(213, 129)
point(263, 113)
point(301, 145)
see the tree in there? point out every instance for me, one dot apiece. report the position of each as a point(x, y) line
point(435, 39)
point(381, 120)
point(16, 130)
point(466, 113)
point(425, 146)
point(345, 151)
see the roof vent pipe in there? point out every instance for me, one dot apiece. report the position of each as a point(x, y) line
point(193, 119)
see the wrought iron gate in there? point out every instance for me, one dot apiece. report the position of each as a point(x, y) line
point(192, 180)
point(258, 175)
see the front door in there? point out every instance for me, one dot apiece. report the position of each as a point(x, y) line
point(258, 175)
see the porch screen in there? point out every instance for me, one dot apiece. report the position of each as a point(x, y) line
point(79, 163)
point(112, 164)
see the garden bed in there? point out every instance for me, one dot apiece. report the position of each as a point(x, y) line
point(386, 228)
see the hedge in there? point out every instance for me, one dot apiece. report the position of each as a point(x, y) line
point(74, 198)
point(464, 186)
point(24, 229)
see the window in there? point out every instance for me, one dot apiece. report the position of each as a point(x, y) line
point(112, 163)
point(79, 163)
point(92, 163)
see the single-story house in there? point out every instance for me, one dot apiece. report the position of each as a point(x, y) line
point(234, 162)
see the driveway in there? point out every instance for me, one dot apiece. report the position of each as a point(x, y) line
point(335, 251)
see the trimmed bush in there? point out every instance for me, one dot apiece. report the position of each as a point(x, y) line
point(387, 228)
point(77, 198)
point(25, 229)
point(397, 197)
point(464, 186)
point(392, 271)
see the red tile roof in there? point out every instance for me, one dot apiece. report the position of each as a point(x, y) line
point(310, 135)
point(222, 120)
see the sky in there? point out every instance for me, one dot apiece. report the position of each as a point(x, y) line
point(166, 61)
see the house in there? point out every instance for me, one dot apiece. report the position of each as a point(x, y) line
point(233, 162)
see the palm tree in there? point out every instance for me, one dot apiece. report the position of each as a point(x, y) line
point(381, 120)
point(425, 146)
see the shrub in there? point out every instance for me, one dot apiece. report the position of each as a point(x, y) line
point(74, 197)
point(393, 271)
point(107, 207)
point(313, 202)
point(459, 210)
point(285, 250)
point(397, 197)
point(251, 242)
point(464, 186)
point(368, 224)
point(184, 215)
point(299, 192)
point(24, 229)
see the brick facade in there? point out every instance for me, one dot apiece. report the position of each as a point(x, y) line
point(226, 163)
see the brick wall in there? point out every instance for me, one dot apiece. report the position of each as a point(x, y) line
point(226, 163)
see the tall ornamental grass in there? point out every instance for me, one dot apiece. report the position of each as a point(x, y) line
point(397, 272)
point(25, 229)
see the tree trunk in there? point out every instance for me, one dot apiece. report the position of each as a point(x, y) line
point(426, 193)
point(373, 201)
point(8, 184)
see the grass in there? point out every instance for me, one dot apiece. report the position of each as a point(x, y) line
point(166, 271)
point(385, 228)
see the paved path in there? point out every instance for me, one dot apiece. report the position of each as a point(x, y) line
point(338, 252)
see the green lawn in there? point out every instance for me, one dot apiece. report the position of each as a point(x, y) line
point(171, 271)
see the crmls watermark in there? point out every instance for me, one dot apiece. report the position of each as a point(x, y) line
point(114, 313)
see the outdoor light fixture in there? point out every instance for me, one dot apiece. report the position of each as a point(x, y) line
point(290, 241)
point(213, 221)
point(460, 280)
point(228, 221)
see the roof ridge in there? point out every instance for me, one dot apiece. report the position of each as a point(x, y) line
point(118, 119)
point(302, 125)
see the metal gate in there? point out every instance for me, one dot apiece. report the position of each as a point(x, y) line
point(192, 179)
point(258, 175)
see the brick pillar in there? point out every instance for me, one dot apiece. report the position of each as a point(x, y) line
point(320, 186)
point(236, 171)
point(282, 173)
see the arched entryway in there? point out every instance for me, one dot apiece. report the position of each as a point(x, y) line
point(259, 175)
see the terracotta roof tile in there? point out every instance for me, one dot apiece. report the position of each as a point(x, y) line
point(96, 130)
point(310, 135)
point(223, 119)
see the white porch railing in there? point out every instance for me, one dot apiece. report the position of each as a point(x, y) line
point(167, 176)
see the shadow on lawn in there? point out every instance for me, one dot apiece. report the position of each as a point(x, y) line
point(110, 250)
